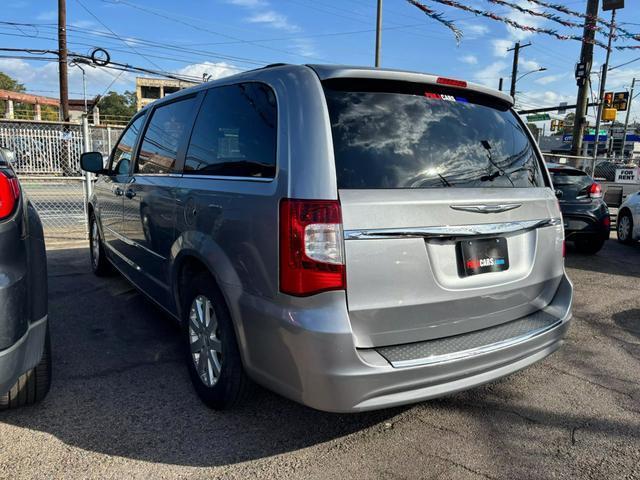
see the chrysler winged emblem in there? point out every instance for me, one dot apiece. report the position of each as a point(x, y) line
point(495, 208)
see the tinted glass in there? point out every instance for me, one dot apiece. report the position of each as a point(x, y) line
point(572, 183)
point(413, 136)
point(166, 129)
point(235, 133)
point(123, 152)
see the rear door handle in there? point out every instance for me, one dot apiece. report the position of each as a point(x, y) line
point(130, 193)
point(117, 192)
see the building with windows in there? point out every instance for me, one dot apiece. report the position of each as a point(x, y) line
point(150, 89)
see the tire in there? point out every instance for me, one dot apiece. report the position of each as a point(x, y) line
point(99, 263)
point(624, 228)
point(589, 246)
point(219, 346)
point(33, 385)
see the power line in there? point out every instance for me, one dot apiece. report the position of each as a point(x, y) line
point(116, 35)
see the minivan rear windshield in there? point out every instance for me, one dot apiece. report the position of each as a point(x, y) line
point(407, 135)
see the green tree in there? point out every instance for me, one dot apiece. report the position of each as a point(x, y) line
point(8, 83)
point(117, 106)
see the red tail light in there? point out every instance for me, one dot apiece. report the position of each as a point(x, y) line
point(451, 82)
point(606, 221)
point(9, 194)
point(311, 256)
point(595, 190)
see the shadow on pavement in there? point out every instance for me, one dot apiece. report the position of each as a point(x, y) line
point(614, 258)
point(120, 386)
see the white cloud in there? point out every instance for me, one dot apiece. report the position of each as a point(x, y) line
point(275, 20)
point(469, 59)
point(501, 46)
point(526, 65)
point(547, 79)
point(263, 14)
point(473, 30)
point(491, 74)
point(214, 70)
point(44, 77)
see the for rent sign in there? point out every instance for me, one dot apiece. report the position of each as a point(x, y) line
point(628, 175)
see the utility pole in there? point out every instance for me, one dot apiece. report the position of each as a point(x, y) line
point(514, 71)
point(626, 120)
point(62, 60)
point(584, 82)
point(378, 33)
point(603, 86)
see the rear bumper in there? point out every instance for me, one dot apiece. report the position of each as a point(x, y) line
point(586, 224)
point(22, 355)
point(324, 370)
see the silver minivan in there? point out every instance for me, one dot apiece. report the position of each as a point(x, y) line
point(351, 238)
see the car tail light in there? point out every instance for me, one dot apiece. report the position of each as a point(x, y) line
point(606, 221)
point(451, 82)
point(9, 194)
point(595, 190)
point(311, 255)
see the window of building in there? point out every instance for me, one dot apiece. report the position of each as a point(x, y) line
point(150, 92)
point(166, 129)
point(235, 133)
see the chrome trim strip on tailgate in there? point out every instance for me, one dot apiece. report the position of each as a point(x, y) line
point(498, 208)
point(450, 231)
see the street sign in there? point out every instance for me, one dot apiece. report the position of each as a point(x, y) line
point(541, 117)
point(609, 114)
point(592, 131)
point(562, 108)
point(567, 138)
point(581, 72)
point(612, 5)
point(621, 101)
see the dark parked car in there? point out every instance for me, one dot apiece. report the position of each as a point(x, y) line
point(25, 348)
point(586, 216)
point(352, 238)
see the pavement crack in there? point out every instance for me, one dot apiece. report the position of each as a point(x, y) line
point(455, 463)
point(591, 382)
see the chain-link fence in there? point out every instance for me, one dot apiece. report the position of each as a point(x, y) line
point(48, 164)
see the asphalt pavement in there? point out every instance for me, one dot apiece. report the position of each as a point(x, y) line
point(121, 404)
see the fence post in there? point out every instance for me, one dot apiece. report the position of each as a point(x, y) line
point(109, 139)
point(88, 185)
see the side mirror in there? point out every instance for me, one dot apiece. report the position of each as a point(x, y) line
point(7, 155)
point(92, 162)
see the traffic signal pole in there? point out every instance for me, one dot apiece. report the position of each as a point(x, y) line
point(603, 85)
point(584, 82)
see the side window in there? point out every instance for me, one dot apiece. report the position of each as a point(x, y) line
point(123, 152)
point(162, 138)
point(235, 133)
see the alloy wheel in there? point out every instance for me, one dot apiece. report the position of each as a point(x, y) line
point(206, 347)
point(624, 228)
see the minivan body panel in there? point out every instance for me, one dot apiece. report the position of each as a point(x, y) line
point(322, 350)
point(413, 290)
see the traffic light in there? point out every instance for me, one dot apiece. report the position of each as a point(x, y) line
point(608, 100)
point(554, 125)
point(621, 101)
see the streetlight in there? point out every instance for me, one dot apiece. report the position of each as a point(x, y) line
point(541, 69)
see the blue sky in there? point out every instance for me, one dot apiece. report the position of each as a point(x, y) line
point(218, 37)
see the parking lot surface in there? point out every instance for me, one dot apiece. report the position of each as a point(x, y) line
point(122, 406)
